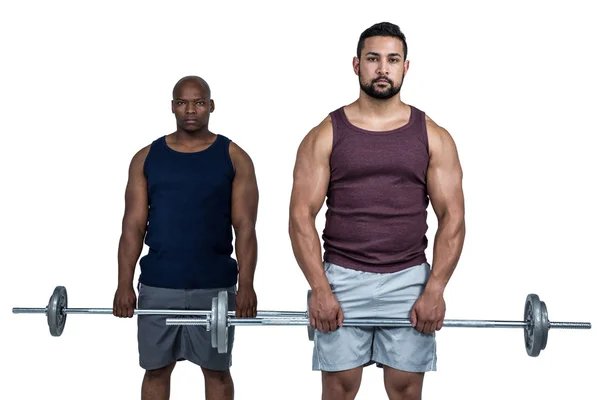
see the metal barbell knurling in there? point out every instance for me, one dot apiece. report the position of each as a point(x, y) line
point(218, 319)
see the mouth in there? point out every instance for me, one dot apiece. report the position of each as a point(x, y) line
point(190, 121)
point(382, 81)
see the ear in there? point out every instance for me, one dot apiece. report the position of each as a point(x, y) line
point(172, 106)
point(406, 65)
point(212, 105)
point(355, 64)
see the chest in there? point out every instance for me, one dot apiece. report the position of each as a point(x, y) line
point(358, 155)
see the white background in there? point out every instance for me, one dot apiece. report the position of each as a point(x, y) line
point(85, 85)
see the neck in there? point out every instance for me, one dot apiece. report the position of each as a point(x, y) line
point(184, 136)
point(379, 107)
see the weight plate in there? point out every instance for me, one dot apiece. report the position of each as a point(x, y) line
point(54, 311)
point(545, 325)
point(213, 323)
point(222, 334)
point(534, 331)
point(311, 331)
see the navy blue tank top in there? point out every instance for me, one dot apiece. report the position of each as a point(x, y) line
point(189, 232)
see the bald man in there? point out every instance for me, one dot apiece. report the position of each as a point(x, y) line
point(185, 192)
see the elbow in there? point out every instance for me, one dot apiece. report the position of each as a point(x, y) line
point(300, 220)
point(453, 221)
point(245, 229)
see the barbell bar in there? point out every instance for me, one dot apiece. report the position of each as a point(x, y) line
point(57, 310)
point(218, 319)
point(535, 323)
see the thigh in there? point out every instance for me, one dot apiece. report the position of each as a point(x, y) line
point(158, 342)
point(404, 349)
point(347, 347)
point(343, 349)
point(196, 340)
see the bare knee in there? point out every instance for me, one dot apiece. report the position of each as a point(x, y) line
point(341, 385)
point(215, 377)
point(160, 374)
point(403, 385)
point(404, 392)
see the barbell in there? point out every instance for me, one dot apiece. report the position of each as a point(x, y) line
point(218, 319)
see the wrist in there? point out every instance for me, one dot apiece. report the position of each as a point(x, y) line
point(435, 285)
point(125, 283)
point(320, 287)
point(245, 284)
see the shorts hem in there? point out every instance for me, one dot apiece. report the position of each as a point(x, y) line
point(152, 367)
point(326, 367)
point(211, 365)
point(403, 365)
point(201, 364)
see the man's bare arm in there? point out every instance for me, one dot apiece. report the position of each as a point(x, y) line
point(310, 184)
point(444, 183)
point(135, 219)
point(244, 210)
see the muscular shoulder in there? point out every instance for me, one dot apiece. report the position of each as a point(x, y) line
point(139, 158)
point(440, 140)
point(319, 139)
point(239, 157)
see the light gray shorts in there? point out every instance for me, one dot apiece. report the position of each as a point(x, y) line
point(375, 295)
point(160, 345)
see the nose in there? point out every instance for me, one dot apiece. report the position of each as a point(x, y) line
point(190, 108)
point(383, 67)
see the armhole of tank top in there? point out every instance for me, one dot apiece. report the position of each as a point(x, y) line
point(425, 139)
point(424, 135)
point(226, 145)
point(335, 126)
point(145, 166)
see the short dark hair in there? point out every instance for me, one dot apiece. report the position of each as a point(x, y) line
point(381, 29)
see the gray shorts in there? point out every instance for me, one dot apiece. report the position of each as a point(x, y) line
point(374, 295)
point(160, 345)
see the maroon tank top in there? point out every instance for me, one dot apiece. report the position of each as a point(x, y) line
point(376, 218)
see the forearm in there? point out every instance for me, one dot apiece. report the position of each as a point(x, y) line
point(447, 248)
point(130, 248)
point(307, 250)
point(246, 253)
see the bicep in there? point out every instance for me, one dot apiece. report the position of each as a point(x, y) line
point(136, 194)
point(444, 175)
point(244, 196)
point(311, 174)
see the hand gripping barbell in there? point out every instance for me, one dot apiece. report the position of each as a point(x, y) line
point(218, 319)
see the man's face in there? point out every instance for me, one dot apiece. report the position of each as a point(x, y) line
point(381, 67)
point(192, 107)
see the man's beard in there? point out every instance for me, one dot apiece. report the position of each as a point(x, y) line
point(371, 89)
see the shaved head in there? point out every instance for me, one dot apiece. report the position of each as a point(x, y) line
point(191, 80)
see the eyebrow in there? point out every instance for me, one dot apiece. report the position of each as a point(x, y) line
point(377, 54)
point(180, 99)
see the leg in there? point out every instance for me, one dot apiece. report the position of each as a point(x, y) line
point(403, 385)
point(218, 385)
point(158, 344)
point(404, 353)
point(197, 347)
point(341, 385)
point(157, 383)
point(342, 354)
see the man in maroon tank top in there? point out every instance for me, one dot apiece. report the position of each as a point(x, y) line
point(377, 163)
